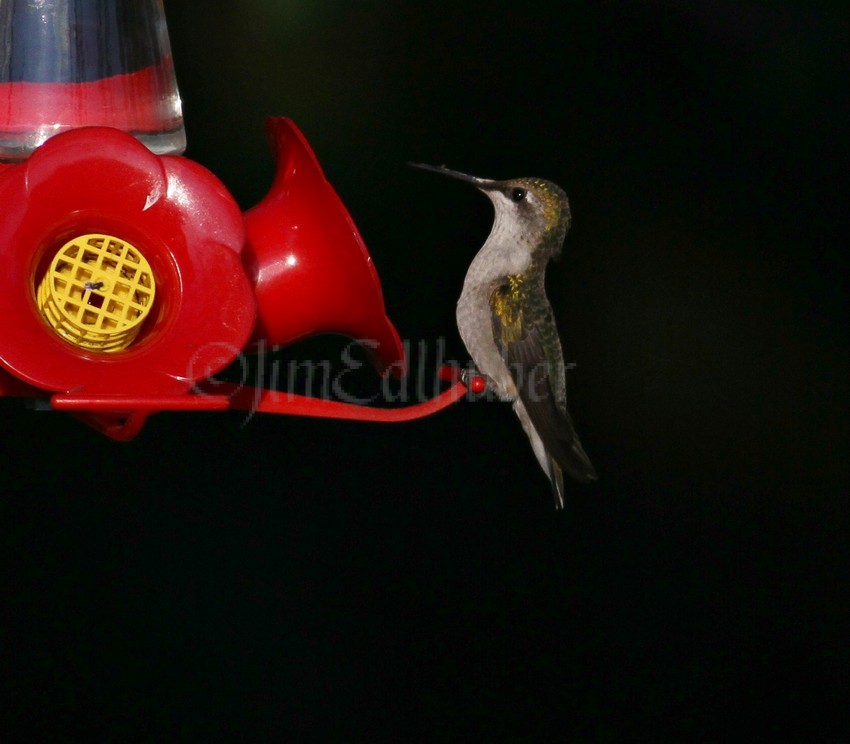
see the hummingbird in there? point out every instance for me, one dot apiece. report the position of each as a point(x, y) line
point(506, 322)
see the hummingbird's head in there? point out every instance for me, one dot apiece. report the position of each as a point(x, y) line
point(530, 212)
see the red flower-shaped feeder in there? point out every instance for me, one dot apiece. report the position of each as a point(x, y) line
point(129, 278)
point(122, 269)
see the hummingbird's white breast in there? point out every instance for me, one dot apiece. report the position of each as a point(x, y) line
point(503, 254)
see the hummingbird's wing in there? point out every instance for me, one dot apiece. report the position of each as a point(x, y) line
point(524, 353)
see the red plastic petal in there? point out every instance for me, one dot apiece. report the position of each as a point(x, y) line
point(184, 222)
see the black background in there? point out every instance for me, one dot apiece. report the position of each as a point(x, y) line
point(291, 578)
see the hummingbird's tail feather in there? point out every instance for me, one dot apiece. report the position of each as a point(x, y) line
point(577, 464)
point(555, 455)
point(554, 428)
point(556, 475)
point(546, 421)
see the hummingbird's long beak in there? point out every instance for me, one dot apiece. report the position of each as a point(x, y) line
point(481, 183)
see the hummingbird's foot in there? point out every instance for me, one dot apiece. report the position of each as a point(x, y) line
point(475, 381)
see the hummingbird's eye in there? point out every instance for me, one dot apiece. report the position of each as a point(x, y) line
point(518, 194)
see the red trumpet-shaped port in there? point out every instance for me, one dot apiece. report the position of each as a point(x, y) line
point(311, 269)
point(121, 269)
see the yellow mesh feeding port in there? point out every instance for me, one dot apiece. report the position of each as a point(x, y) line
point(97, 292)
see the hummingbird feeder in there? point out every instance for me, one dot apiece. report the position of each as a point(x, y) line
point(130, 274)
